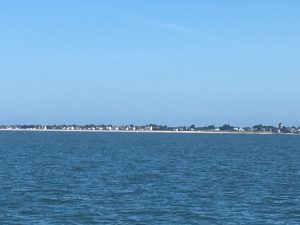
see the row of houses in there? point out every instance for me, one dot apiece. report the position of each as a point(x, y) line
point(153, 127)
point(75, 127)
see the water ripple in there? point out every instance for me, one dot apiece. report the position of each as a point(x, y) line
point(98, 178)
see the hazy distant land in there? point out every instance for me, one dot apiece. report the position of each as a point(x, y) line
point(153, 128)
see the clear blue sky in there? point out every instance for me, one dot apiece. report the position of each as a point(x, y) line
point(139, 61)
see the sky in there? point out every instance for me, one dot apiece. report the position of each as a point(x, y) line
point(138, 62)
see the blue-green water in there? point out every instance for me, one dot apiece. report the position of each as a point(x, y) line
point(122, 178)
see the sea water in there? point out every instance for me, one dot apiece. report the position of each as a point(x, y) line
point(148, 178)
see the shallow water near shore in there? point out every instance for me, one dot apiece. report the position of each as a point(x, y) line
point(148, 178)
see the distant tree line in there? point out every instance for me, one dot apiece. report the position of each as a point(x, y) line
point(156, 127)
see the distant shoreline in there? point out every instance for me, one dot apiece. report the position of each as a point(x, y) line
point(155, 128)
point(142, 131)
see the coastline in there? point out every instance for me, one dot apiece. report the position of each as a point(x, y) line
point(142, 131)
